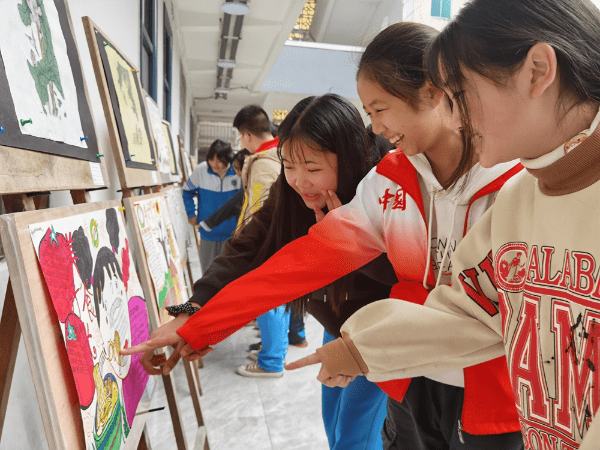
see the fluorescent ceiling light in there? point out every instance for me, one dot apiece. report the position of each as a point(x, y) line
point(226, 63)
point(221, 91)
point(235, 8)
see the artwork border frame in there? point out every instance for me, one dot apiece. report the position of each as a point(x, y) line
point(102, 41)
point(12, 136)
point(129, 177)
point(24, 171)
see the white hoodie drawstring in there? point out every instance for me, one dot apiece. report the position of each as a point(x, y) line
point(439, 277)
point(428, 264)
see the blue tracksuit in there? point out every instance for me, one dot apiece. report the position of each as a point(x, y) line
point(212, 192)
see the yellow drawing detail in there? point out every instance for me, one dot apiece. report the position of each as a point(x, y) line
point(107, 394)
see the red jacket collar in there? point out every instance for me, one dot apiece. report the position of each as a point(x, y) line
point(267, 145)
point(397, 167)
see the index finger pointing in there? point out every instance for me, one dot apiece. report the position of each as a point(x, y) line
point(306, 361)
point(151, 344)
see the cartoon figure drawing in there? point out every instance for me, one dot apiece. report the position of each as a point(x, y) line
point(93, 309)
point(110, 299)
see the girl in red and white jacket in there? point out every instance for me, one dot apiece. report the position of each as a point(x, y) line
point(416, 205)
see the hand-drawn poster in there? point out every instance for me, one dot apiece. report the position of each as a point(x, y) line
point(162, 253)
point(97, 296)
point(182, 227)
point(128, 105)
point(162, 150)
point(173, 160)
point(40, 76)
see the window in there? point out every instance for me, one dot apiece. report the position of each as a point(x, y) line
point(148, 41)
point(167, 63)
point(441, 8)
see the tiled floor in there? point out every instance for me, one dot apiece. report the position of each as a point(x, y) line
point(247, 413)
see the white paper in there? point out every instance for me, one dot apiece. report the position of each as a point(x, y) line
point(96, 171)
point(162, 148)
point(154, 178)
point(174, 199)
point(33, 47)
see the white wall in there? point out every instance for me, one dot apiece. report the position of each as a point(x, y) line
point(120, 21)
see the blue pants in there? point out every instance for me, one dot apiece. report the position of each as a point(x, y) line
point(353, 415)
point(297, 325)
point(274, 326)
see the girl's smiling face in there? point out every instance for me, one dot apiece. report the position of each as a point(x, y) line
point(309, 172)
point(412, 130)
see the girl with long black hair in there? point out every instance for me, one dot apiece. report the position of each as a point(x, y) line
point(324, 146)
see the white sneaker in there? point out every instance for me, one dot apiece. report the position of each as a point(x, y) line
point(253, 355)
point(255, 371)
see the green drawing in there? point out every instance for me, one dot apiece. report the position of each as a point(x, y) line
point(71, 336)
point(162, 295)
point(45, 69)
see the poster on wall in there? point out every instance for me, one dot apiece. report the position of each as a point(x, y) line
point(86, 264)
point(128, 105)
point(173, 160)
point(162, 149)
point(162, 253)
point(44, 106)
point(181, 225)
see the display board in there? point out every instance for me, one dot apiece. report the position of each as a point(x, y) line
point(44, 105)
point(124, 109)
point(163, 155)
point(161, 255)
point(67, 348)
point(184, 158)
point(47, 134)
point(183, 229)
point(173, 159)
point(100, 309)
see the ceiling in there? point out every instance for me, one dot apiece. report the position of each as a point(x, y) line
point(263, 35)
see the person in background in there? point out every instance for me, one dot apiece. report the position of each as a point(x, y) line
point(213, 182)
point(260, 171)
point(262, 168)
point(233, 206)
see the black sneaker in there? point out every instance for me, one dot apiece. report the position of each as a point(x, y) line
point(256, 346)
point(296, 340)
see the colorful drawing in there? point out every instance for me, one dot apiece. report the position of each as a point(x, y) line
point(162, 150)
point(98, 300)
point(38, 70)
point(129, 107)
point(162, 253)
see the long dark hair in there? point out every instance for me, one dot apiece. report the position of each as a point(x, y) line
point(328, 123)
point(395, 59)
point(493, 41)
